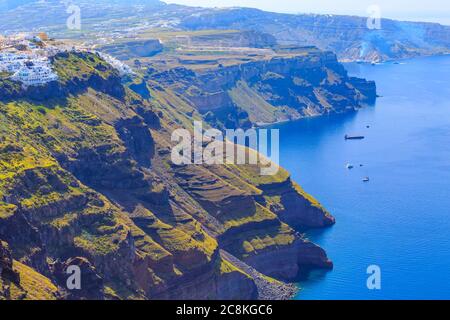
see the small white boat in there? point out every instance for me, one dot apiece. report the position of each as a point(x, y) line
point(349, 166)
point(366, 179)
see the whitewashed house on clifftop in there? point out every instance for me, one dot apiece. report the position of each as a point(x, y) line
point(34, 75)
point(30, 65)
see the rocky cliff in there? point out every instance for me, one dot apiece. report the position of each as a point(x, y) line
point(20, 282)
point(347, 36)
point(86, 181)
point(133, 49)
point(234, 38)
point(301, 82)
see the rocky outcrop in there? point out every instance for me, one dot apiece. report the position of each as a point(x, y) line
point(294, 206)
point(245, 38)
point(291, 262)
point(268, 289)
point(223, 281)
point(91, 284)
point(6, 265)
point(303, 83)
point(19, 282)
point(137, 138)
point(134, 49)
point(366, 88)
point(212, 101)
point(234, 285)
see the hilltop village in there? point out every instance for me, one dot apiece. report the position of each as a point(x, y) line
point(26, 58)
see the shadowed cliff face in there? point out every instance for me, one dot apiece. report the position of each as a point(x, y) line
point(18, 281)
point(283, 87)
point(85, 182)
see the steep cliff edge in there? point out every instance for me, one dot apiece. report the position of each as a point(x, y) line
point(20, 282)
point(269, 88)
point(86, 181)
point(348, 36)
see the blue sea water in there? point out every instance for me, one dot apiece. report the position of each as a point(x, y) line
point(400, 220)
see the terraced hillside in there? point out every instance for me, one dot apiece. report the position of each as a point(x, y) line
point(86, 179)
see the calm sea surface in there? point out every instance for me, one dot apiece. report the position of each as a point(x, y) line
point(400, 220)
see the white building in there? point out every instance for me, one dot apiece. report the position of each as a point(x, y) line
point(116, 64)
point(35, 75)
point(11, 67)
point(10, 62)
point(31, 65)
point(28, 68)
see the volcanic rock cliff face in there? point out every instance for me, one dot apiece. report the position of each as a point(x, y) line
point(18, 281)
point(287, 86)
point(245, 38)
point(348, 36)
point(133, 49)
point(86, 180)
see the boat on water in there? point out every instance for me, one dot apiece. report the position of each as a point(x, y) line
point(366, 179)
point(349, 166)
point(348, 137)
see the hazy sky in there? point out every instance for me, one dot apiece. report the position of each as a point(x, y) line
point(418, 10)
